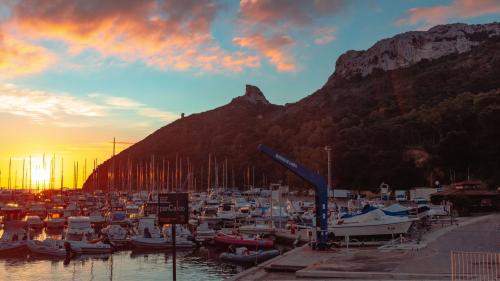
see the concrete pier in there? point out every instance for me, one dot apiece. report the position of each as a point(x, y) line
point(430, 261)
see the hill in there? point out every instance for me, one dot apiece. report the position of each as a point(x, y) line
point(418, 107)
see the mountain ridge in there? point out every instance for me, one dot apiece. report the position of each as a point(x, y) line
point(378, 124)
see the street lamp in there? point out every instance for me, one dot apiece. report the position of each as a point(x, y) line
point(328, 151)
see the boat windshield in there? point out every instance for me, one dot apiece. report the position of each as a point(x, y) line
point(74, 236)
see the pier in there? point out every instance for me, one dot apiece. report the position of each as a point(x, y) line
point(430, 261)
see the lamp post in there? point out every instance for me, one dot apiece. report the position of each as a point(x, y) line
point(328, 151)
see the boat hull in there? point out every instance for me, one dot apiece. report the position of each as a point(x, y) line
point(159, 243)
point(239, 241)
point(374, 229)
point(254, 257)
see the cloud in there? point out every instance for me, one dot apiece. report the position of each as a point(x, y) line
point(163, 34)
point(266, 26)
point(324, 35)
point(18, 57)
point(157, 114)
point(285, 13)
point(40, 105)
point(63, 110)
point(430, 16)
point(272, 48)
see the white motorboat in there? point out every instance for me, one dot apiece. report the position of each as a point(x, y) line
point(71, 210)
point(259, 227)
point(156, 240)
point(117, 235)
point(12, 217)
point(54, 219)
point(81, 236)
point(48, 247)
point(38, 209)
point(33, 222)
point(226, 212)
point(204, 233)
point(96, 218)
point(12, 241)
point(373, 223)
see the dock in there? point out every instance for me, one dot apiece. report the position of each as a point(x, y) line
point(429, 261)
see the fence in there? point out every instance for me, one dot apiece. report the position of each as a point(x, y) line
point(475, 266)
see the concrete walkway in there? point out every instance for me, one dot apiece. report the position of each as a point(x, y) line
point(478, 234)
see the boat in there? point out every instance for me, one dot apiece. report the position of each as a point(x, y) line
point(13, 241)
point(238, 240)
point(259, 227)
point(117, 235)
point(54, 219)
point(33, 222)
point(156, 240)
point(118, 217)
point(48, 247)
point(38, 209)
point(81, 236)
point(372, 223)
point(243, 255)
point(204, 233)
point(96, 218)
point(12, 216)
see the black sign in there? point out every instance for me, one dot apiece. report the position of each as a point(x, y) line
point(173, 208)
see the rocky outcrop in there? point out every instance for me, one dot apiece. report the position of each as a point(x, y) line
point(253, 95)
point(406, 49)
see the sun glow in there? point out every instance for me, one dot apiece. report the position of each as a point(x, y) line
point(40, 172)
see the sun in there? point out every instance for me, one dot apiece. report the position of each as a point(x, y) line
point(40, 172)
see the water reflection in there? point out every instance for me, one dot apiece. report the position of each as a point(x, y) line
point(199, 264)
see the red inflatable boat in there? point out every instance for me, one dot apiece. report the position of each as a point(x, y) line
point(237, 240)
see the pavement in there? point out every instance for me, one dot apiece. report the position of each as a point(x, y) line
point(432, 262)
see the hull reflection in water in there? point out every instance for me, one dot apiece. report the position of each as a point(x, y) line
point(124, 265)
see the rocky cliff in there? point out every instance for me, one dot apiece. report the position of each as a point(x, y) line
point(406, 49)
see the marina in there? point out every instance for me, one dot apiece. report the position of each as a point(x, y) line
point(249, 140)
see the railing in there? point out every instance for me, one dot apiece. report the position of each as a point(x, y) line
point(475, 266)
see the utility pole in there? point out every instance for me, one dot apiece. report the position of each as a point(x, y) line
point(328, 151)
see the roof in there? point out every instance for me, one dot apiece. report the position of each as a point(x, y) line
point(467, 192)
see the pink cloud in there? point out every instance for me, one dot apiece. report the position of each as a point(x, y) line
point(18, 57)
point(457, 9)
point(274, 49)
point(164, 34)
point(287, 13)
point(324, 35)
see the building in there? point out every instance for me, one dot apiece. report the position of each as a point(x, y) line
point(469, 197)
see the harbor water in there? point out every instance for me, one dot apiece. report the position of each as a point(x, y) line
point(195, 264)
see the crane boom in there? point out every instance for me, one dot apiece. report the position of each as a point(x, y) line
point(319, 183)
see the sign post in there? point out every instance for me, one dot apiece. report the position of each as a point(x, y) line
point(173, 209)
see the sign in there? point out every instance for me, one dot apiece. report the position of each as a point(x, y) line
point(173, 208)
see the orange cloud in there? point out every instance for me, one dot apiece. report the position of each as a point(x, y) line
point(430, 16)
point(272, 49)
point(163, 34)
point(18, 57)
point(266, 27)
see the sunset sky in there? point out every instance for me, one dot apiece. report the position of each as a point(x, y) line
point(75, 74)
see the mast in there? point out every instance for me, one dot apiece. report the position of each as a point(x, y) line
point(30, 173)
point(24, 162)
point(9, 181)
point(62, 175)
point(208, 180)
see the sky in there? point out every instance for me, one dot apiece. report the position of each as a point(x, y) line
point(76, 74)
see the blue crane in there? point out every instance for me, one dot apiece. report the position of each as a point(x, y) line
point(319, 183)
